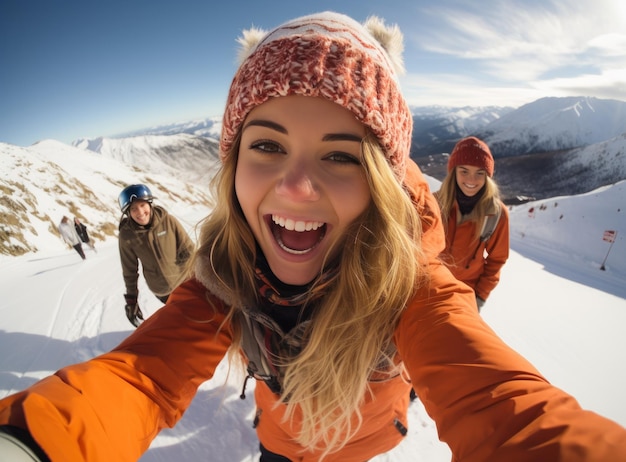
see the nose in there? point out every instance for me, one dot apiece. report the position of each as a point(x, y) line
point(472, 177)
point(297, 182)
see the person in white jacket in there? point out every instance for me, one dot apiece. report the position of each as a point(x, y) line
point(69, 235)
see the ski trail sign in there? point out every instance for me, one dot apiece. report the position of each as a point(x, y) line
point(608, 236)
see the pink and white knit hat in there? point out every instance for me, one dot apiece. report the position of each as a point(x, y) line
point(332, 56)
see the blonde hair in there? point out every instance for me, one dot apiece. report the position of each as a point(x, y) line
point(446, 196)
point(352, 330)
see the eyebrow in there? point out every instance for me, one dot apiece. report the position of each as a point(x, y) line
point(265, 123)
point(479, 169)
point(279, 128)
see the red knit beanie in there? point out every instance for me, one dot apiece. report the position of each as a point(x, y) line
point(474, 152)
point(332, 56)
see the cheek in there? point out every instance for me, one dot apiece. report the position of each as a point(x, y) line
point(246, 190)
point(353, 202)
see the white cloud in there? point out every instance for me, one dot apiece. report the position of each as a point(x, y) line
point(609, 84)
point(610, 45)
point(519, 44)
point(460, 90)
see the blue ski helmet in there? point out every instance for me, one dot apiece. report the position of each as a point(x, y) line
point(132, 193)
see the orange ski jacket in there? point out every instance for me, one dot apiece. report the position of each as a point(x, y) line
point(478, 264)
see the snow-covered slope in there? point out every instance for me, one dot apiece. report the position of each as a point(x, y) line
point(571, 229)
point(50, 179)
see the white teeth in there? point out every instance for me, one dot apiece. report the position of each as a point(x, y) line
point(299, 226)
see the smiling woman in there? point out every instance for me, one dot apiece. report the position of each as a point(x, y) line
point(476, 221)
point(301, 170)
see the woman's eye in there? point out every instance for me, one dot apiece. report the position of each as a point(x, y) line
point(343, 157)
point(266, 146)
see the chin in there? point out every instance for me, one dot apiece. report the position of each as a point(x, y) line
point(294, 276)
point(290, 278)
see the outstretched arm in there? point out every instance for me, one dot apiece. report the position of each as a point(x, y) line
point(489, 403)
point(113, 406)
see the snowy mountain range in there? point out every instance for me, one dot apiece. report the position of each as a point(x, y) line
point(554, 124)
point(178, 161)
point(559, 173)
point(547, 124)
point(552, 146)
point(437, 128)
point(209, 127)
point(193, 157)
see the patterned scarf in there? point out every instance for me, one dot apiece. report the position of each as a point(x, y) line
point(275, 331)
point(278, 328)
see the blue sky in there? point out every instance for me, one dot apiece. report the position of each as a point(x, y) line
point(83, 69)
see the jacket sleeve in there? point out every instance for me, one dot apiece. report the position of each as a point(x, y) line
point(130, 265)
point(497, 254)
point(111, 407)
point(488, 402)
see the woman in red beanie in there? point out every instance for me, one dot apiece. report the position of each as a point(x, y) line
point(476, 221)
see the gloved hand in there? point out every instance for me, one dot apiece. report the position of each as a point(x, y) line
point(479, 303)
point(133, 312)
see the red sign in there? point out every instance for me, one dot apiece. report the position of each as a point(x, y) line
point(609, 235)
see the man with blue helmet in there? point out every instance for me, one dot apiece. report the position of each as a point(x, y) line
point(150, 235)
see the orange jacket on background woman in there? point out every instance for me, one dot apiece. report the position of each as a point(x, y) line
point(469, 199)
point(477, 263)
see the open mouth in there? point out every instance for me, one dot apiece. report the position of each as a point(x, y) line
point(297, 237)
